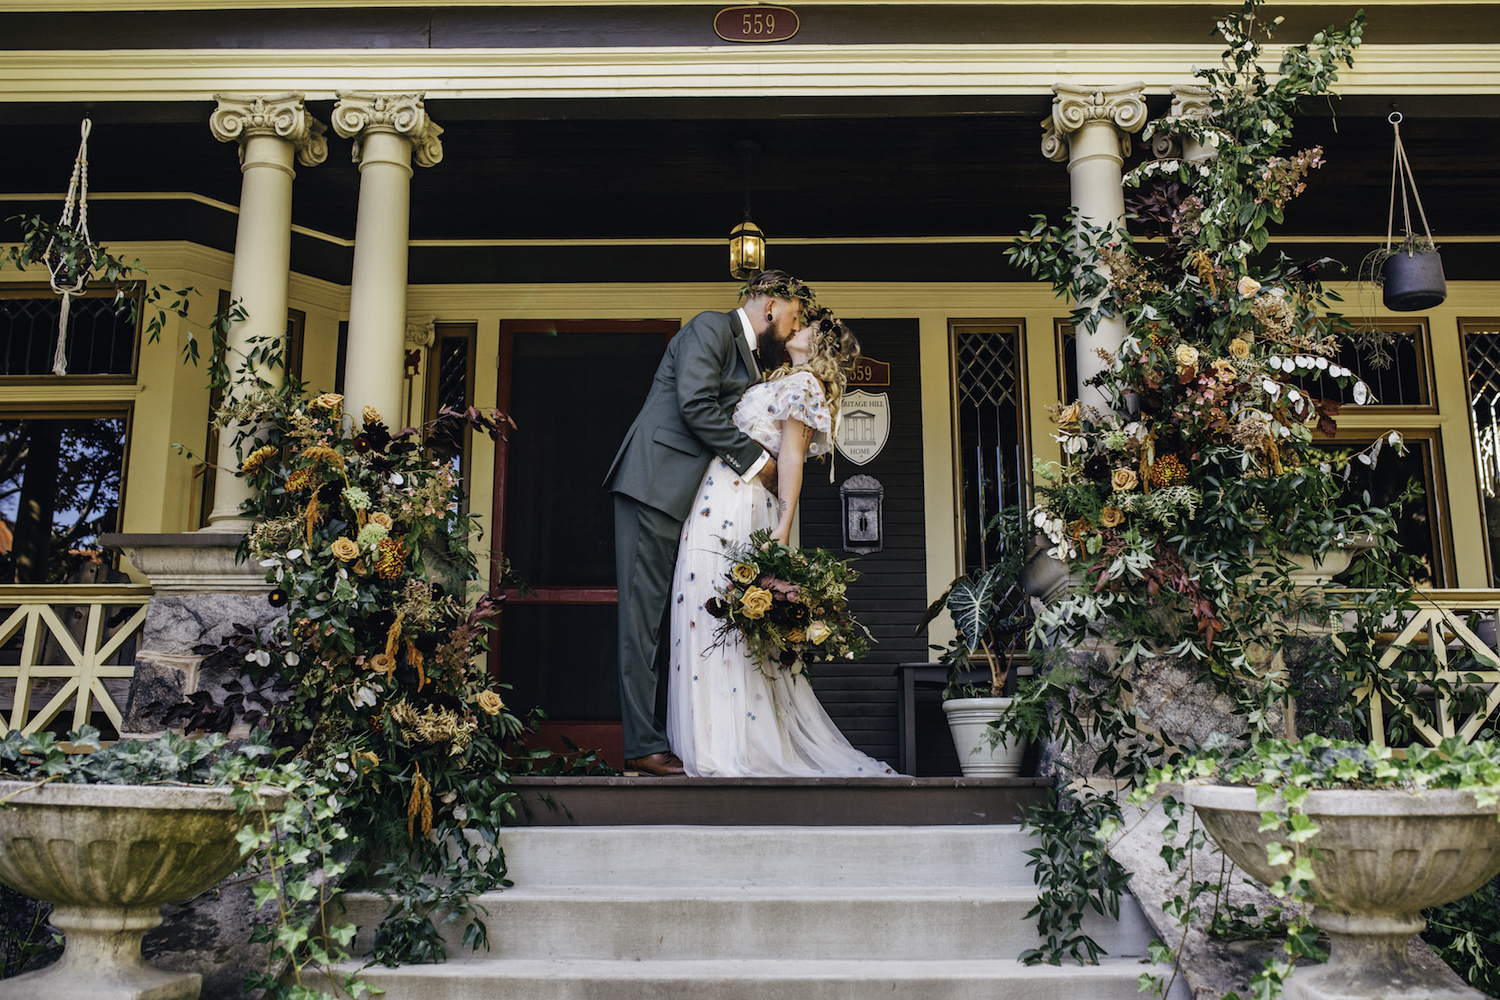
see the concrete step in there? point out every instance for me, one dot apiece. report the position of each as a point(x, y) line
point(866, 801)
point(801, 856)
point(639, 924)
point(757, 979)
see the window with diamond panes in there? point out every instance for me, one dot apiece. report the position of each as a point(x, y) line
point(101, 334)
point(992, 462)
point(450, 377)
point(1481, 343)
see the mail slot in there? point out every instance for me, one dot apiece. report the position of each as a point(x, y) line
point(863, 500)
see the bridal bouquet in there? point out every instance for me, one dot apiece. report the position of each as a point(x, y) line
point(788, 604)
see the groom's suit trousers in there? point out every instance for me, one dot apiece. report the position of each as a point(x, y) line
point(645, 541)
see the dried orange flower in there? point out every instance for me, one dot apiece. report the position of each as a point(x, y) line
point(257, 458)
point(390, 558)
point(322, 453)
point(1168, 471)
point(300, 480)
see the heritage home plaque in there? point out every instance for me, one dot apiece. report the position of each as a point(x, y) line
point(756, 24)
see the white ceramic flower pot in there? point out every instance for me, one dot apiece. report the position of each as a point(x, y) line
point(1382, 856)
point(107, 857)
point(969, 719)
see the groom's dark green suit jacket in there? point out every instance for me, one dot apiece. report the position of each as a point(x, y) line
point(688, 417)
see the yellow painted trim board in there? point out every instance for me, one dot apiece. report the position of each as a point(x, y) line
point(787, 71)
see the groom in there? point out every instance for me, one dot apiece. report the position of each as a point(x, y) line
point(686, 421)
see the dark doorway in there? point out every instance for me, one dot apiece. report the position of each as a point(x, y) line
point(572, 389)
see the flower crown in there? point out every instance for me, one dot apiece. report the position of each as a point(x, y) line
point(785, 287)
point(828, 329)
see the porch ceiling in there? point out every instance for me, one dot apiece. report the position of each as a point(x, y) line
point(846, 170)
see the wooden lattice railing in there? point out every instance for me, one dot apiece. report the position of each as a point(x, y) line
point(1460, 687)
point(67, 644)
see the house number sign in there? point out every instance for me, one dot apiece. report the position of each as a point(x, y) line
point(756, 24)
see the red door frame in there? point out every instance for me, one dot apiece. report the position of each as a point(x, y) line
point(562, 594)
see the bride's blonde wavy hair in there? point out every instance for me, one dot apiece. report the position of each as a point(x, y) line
point(834, 348)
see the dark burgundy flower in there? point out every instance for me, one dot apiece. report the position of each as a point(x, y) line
point(362, 445)
point(788, 657)
point(1097, 468)
point(716, 607)
point(277, 598)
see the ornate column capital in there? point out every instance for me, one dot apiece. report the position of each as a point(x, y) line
point(1073, 107)
point(1191, 101)
point(421, 331)
point(359, 113)
point(240, 117)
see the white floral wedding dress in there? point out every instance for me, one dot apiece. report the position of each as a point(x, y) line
point(724, 717)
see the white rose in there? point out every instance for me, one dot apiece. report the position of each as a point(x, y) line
point(817, 632)
point(1248, 286)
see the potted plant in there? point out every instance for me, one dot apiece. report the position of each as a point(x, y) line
point(1366, 836)
point(1411, 275)
point(108, 837)
point(978, 603)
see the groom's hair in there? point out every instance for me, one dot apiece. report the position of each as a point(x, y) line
point(780, 285)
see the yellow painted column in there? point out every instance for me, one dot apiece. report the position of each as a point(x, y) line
point(271, 131)
point(390, 131)
point(1090, 129)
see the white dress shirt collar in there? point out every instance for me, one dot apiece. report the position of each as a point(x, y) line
point(749, 330)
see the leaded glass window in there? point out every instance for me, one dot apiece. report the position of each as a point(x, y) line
point(101, 335)
point(989, 373)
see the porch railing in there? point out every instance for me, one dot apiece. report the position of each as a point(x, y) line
point(63, 645)
point(1458, 691)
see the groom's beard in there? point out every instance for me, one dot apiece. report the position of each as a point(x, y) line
point(772, 350)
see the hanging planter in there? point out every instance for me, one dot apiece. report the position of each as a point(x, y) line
point(1410, 275)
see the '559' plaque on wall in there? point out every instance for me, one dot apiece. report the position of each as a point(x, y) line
point(756, 24)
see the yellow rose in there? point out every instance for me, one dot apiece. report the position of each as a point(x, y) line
point(1225, 370)
point(1070, 414)
point(383, 519)
point(489, 702)
point(1248, 286)
point(344, 548)
point(1123, 480)
point(756, 602)
point(371, 415)
point(382, 663)
point(1111, 517)
point(330, 401)
point(817, 632)
point(743, 573)
point(1239, 348)
point(1187, 356)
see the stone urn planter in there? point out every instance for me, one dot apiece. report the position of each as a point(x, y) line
point(1381, 857)
point(107, 857)
point(969, 720)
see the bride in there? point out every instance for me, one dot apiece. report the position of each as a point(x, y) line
point(724, 717)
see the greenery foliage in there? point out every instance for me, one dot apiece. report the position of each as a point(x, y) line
point(1207, 464)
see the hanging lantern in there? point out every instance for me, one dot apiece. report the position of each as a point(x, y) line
point(747, 251)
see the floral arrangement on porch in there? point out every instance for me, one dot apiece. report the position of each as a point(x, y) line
point(363, 532)
point(1183, 496)
point(788, 605)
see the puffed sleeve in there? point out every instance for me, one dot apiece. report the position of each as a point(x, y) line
point(800, 397)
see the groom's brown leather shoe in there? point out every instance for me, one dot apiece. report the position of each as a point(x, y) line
point(660, 765)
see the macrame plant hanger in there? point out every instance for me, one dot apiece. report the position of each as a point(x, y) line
point(1401, 176)
point(1411, 273)
point(65, 284)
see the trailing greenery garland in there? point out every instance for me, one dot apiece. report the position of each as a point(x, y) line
point(1180, 504)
